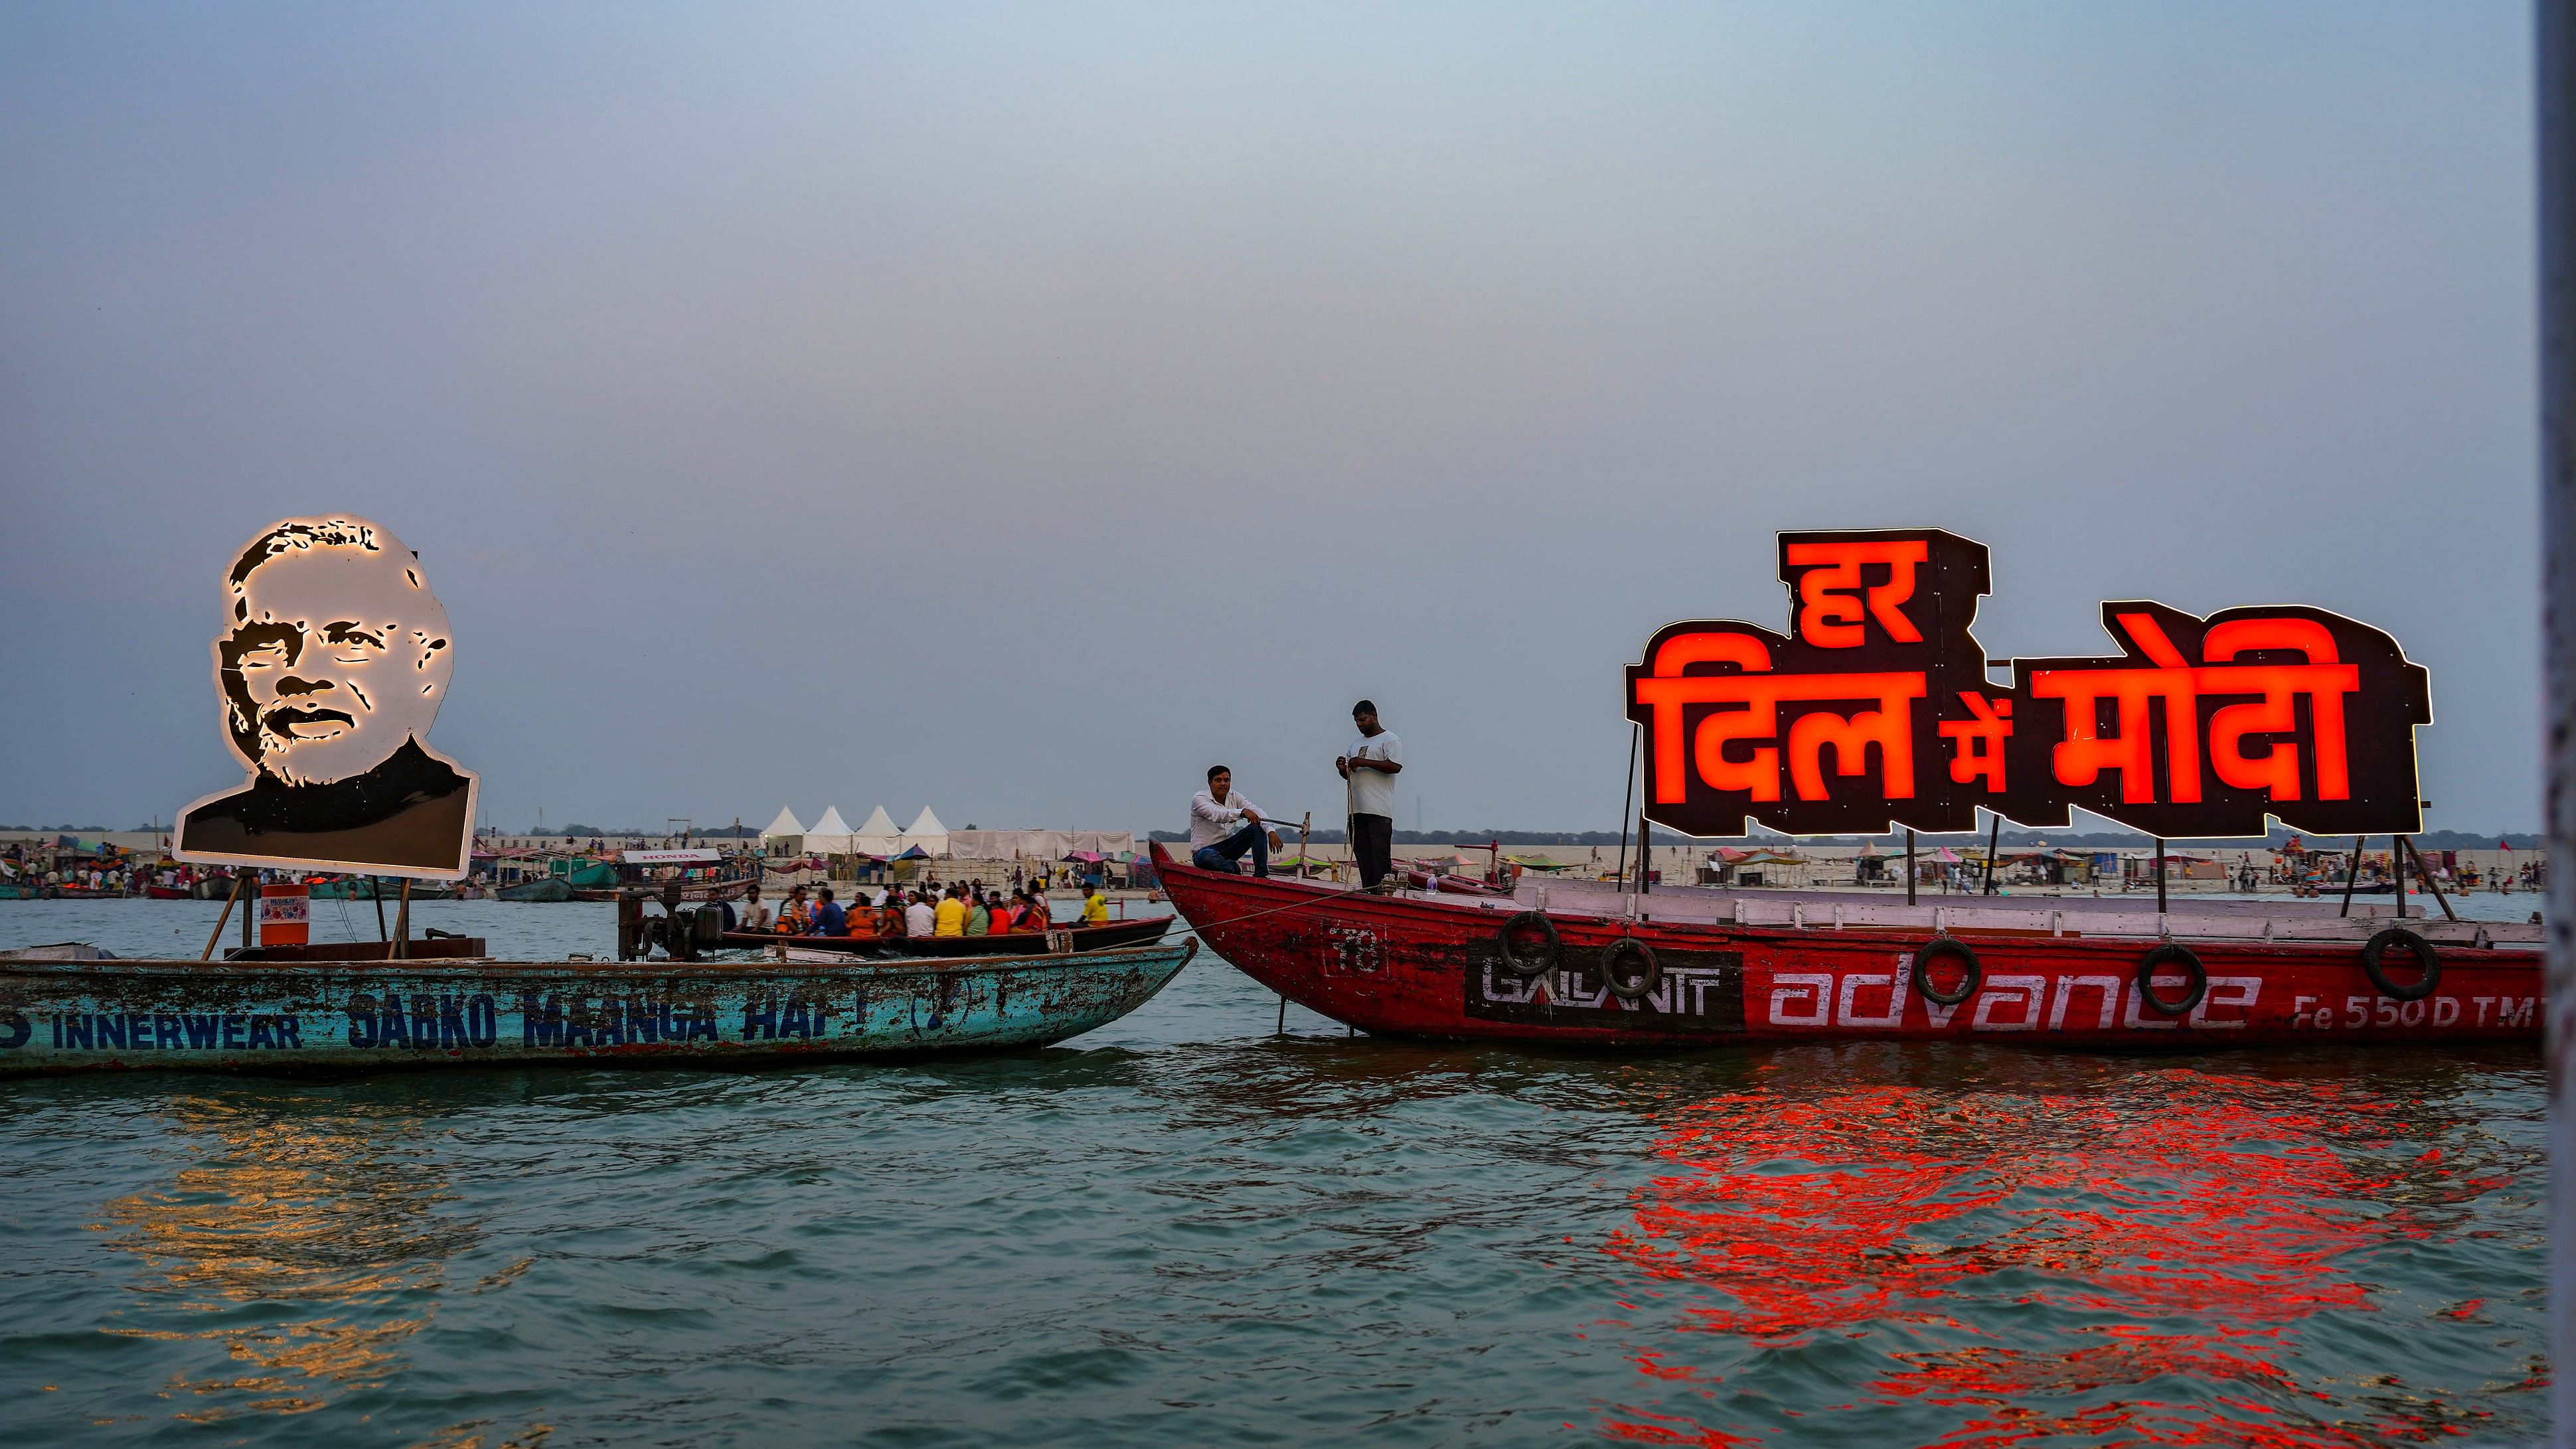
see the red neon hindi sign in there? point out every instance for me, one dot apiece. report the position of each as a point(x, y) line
point(1875, 709)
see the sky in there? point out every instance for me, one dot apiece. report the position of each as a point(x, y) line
point(1016, 410)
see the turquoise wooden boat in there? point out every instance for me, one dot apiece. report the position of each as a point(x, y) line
point(272, 1017)
point(368, 888)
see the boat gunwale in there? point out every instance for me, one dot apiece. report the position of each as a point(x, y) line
point(1500, 908)
point(471, 966)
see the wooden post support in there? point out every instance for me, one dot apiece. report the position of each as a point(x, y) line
point(230, 901)
point(2351, 876)
point(1993, 834)
point(376, 893)
point(402, 924)
point(2425, 873)
point(1909, 865)
point(2397, 871)
point(2160, 875)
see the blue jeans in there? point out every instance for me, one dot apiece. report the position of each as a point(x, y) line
point(1223, 855)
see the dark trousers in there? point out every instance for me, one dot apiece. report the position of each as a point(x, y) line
point(1372, 844)
point(1223, 855)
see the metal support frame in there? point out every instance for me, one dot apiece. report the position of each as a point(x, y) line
point(1627, 797)
point(2554, 88)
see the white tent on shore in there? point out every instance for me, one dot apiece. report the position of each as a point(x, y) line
point(878, 836)
point(829, 835)
point(927, 833)
point(784, 836)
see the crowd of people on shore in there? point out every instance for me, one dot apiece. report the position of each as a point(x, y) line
point(963, 908)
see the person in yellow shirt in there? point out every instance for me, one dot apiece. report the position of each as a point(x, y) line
point(952, 914)
point(1095, 908)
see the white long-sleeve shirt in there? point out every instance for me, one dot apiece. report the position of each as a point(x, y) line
point(1212, 820)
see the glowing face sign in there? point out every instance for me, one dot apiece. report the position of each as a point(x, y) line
point(333, 662)
point(338, 652)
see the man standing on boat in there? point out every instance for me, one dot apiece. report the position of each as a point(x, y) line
point(1376, 758)
point(1223, 825)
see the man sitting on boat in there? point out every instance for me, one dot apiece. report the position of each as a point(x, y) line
point(829, 918)
point(1223, 825)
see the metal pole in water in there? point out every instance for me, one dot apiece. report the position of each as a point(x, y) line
point(2554, 34)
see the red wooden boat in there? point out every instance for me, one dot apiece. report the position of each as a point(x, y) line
point(1697, 967)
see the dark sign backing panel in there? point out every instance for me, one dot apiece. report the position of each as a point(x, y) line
point(1875, 709)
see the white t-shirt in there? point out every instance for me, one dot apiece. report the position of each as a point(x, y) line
point(919, 919)
point(1372, 792)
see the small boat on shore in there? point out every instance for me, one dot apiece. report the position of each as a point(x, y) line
point(544, 889)
point(285, 1015)
point(1693, 967)
point(1115, 936)
point(701, 876)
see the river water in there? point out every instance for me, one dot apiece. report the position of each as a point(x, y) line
point(1183, 1229)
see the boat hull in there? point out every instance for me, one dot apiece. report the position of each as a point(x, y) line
point(275, 1018)
point(700, 892)
point(368, 888)
point(1435, 968)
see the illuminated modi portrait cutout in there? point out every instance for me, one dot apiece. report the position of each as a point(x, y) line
point(332, 663)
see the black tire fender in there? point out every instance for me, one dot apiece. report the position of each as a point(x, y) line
point(1528, 967)
point(2172, 952)
point(1947, 946)
point(2406, 940)
point(1647, 980)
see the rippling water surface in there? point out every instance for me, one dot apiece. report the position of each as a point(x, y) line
point(1182, 1229)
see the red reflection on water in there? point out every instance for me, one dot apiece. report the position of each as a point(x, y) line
point(2121, 1265)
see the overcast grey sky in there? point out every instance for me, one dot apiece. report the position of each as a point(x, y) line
point(1016, 410)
